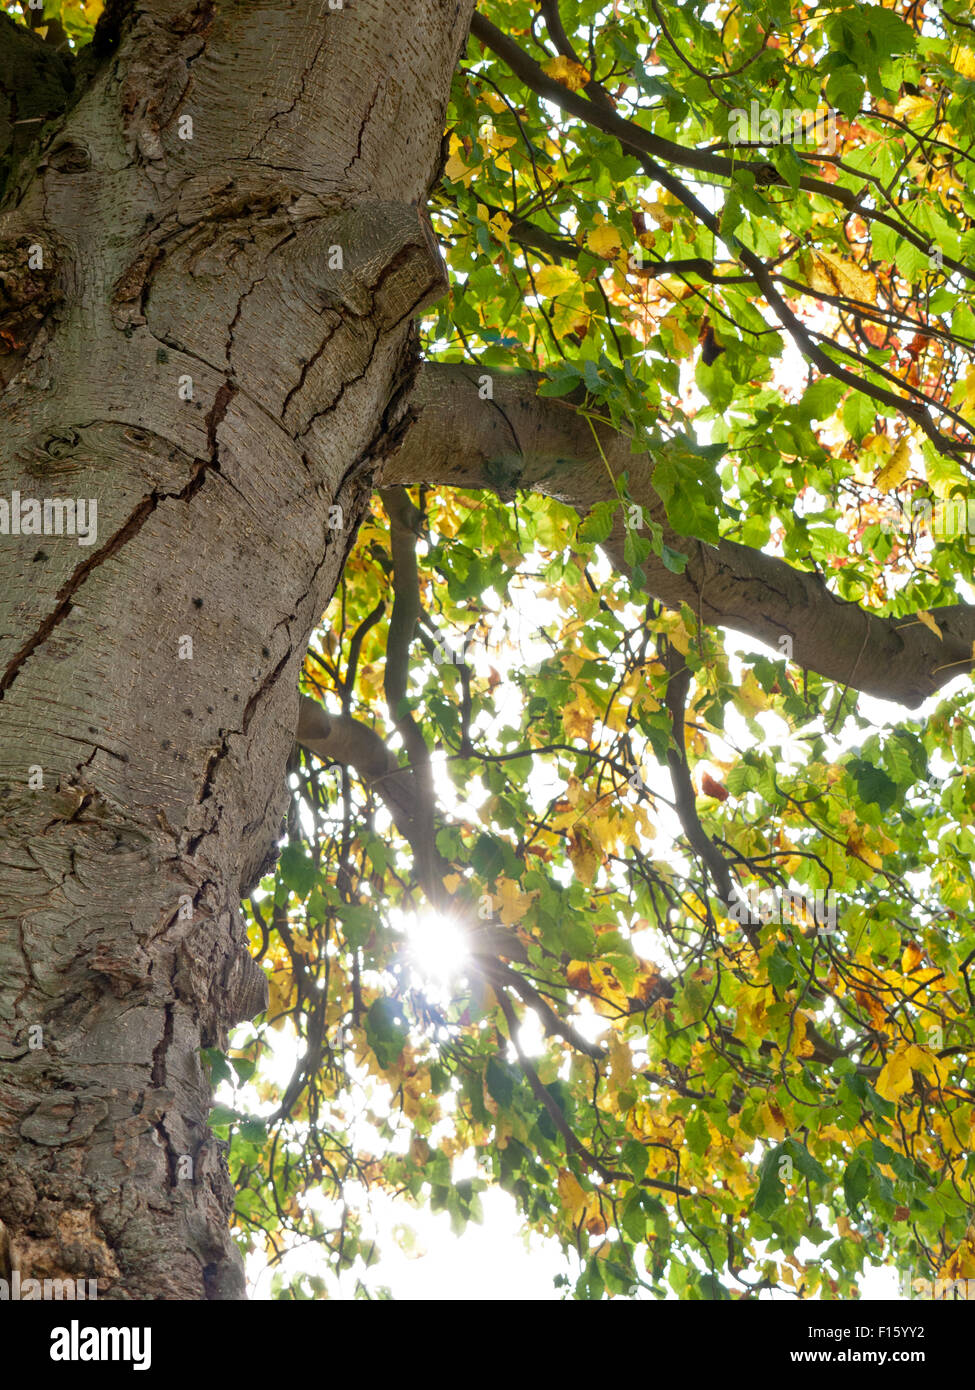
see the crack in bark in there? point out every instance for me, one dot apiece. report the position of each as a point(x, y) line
point(287, 110)
point(306, 368)
point(63, 599)
point(379, 336)
point(96, 748)
point(333, 403)
point(215, 418)
point(362, 130)
point(31, 980)
point(228, 349)
point(162, 1047)
point(219, 753)
point(220, 371)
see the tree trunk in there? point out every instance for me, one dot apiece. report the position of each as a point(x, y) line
point(210, 266)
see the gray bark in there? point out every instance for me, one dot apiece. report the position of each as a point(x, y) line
point(141, 789)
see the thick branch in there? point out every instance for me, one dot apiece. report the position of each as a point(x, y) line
point(35, 83)
point(679, 679)
point(403, 522)
point(545, 444)
point(338, 738)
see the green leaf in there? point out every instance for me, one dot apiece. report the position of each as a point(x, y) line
point(808, 1166)
point(856, 1183)
point(500, 1082)
point(697, 1134)
point(221, 1116)
point(298, 870)
point(873, 784)
point(770, 1194)
point(844, 90)
point(386, 1030)
point(635, 1158)
point(598, 524)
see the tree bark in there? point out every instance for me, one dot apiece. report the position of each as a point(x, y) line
point(217, 347)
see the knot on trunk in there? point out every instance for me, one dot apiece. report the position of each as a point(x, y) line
point(379, 260)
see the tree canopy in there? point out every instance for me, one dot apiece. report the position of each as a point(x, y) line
point(598, 703)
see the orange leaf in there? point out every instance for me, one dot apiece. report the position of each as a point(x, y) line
point(712, 788)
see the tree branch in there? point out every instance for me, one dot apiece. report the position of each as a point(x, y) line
point(404, 520)
point(36, 81)
point(639, 142)
point(338, 738)
point(572, 1141)
point(678, 683)
point(460, 440)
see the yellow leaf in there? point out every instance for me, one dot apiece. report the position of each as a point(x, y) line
point(585, 858)
point(801, 1045)
point(636, 825)
point(677, 635)
point(571, 1193)
point(895, 470)
point(605, 241)
point(752, 695)
point(514, 903)
point(577, 1203)
point(457, 167)
point(895, 1075)
point(620, 1061)
point(578, 715)
point(909, 108)
point(555, 279)
point(662, 213)
point(831, 274)
point(500, 225)
point(771, 1121)
point(792, 862)
point(683, 344)
point(280, 989)
point(963, 61)
point(911, 958)
point(884, 844)
point(925, 1061)
point(929, 622)
point(566, 72)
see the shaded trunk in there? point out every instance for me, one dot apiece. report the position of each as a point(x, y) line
point(210, 271)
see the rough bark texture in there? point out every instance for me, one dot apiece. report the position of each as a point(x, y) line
point(193, 355)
